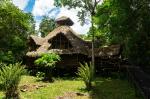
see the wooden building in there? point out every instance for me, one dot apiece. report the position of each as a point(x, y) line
point(72, 49)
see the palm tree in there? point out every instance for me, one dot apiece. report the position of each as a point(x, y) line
point(10, 77)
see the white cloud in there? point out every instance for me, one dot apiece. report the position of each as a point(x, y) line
point(72, 14)
point(42, 7)
point(20, 3)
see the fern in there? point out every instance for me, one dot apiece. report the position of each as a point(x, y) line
point(86, 72)
point(10, 77)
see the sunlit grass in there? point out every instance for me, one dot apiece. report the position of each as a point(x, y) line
point(104, 88)
point(58, 88)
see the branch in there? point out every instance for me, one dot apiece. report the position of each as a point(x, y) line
point(94, 6)
point(98, 1)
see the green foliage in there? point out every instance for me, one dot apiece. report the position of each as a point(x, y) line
point(48, 62)
point(15, 27)
point(86, 72)
point(10, 77)
point(40, 75)
point(32, 30)
point(1, 65)
point(126, 23)
point(85, 37)
point(87, 7)
point(104, 88)
point(7, 57)
point(47, 25)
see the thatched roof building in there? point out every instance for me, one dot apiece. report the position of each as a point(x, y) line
point(64, 41)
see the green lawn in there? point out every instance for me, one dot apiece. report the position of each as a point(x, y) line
point(104, 88)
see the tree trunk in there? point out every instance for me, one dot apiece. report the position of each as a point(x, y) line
point(12, 93)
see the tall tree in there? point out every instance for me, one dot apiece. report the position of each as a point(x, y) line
point(14, 29)
point(88, 7)
point(127, 22)
point(46, 26)
point(32, 25)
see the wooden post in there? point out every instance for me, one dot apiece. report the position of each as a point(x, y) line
point(77, 58)
point(60, 41)
point(93, 60)
point(68, 43)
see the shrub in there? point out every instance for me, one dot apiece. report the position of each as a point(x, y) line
point(40, 75)
point(1, 65)
point(86, 72)
point(10, 77)
point(48, 61)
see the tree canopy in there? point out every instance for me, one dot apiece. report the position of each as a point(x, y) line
point(15, 26)
point(87, 7)
point(47, 25)
point(119, 22)
point(126, 23)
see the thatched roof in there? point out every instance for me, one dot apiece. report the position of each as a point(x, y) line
point(58, 51)
point(64, 21)
point(109, 51)
point(79, 46)
point(37, 40)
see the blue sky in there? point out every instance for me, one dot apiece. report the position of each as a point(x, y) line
point(40, 8)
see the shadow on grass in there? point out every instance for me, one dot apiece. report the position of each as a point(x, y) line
point(96, 92)
point(112, 88)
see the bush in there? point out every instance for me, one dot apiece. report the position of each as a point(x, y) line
point(40, 75)
point(10, 77)
point(86, 72)
point(48, 61)
point(1, 65)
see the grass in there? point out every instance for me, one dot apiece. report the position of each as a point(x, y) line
point(104, 88)
point(108, 88)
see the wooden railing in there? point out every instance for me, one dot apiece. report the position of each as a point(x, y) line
point(140, 80)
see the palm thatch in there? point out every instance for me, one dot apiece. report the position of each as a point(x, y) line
point(37, 40)
point(64, 21)
point(78, 45)
point(108, 51)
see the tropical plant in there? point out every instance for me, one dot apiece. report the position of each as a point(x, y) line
point(86, 72)
point(40, 75)
point(1, 64)
point(10, 77)
point(48, 61)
